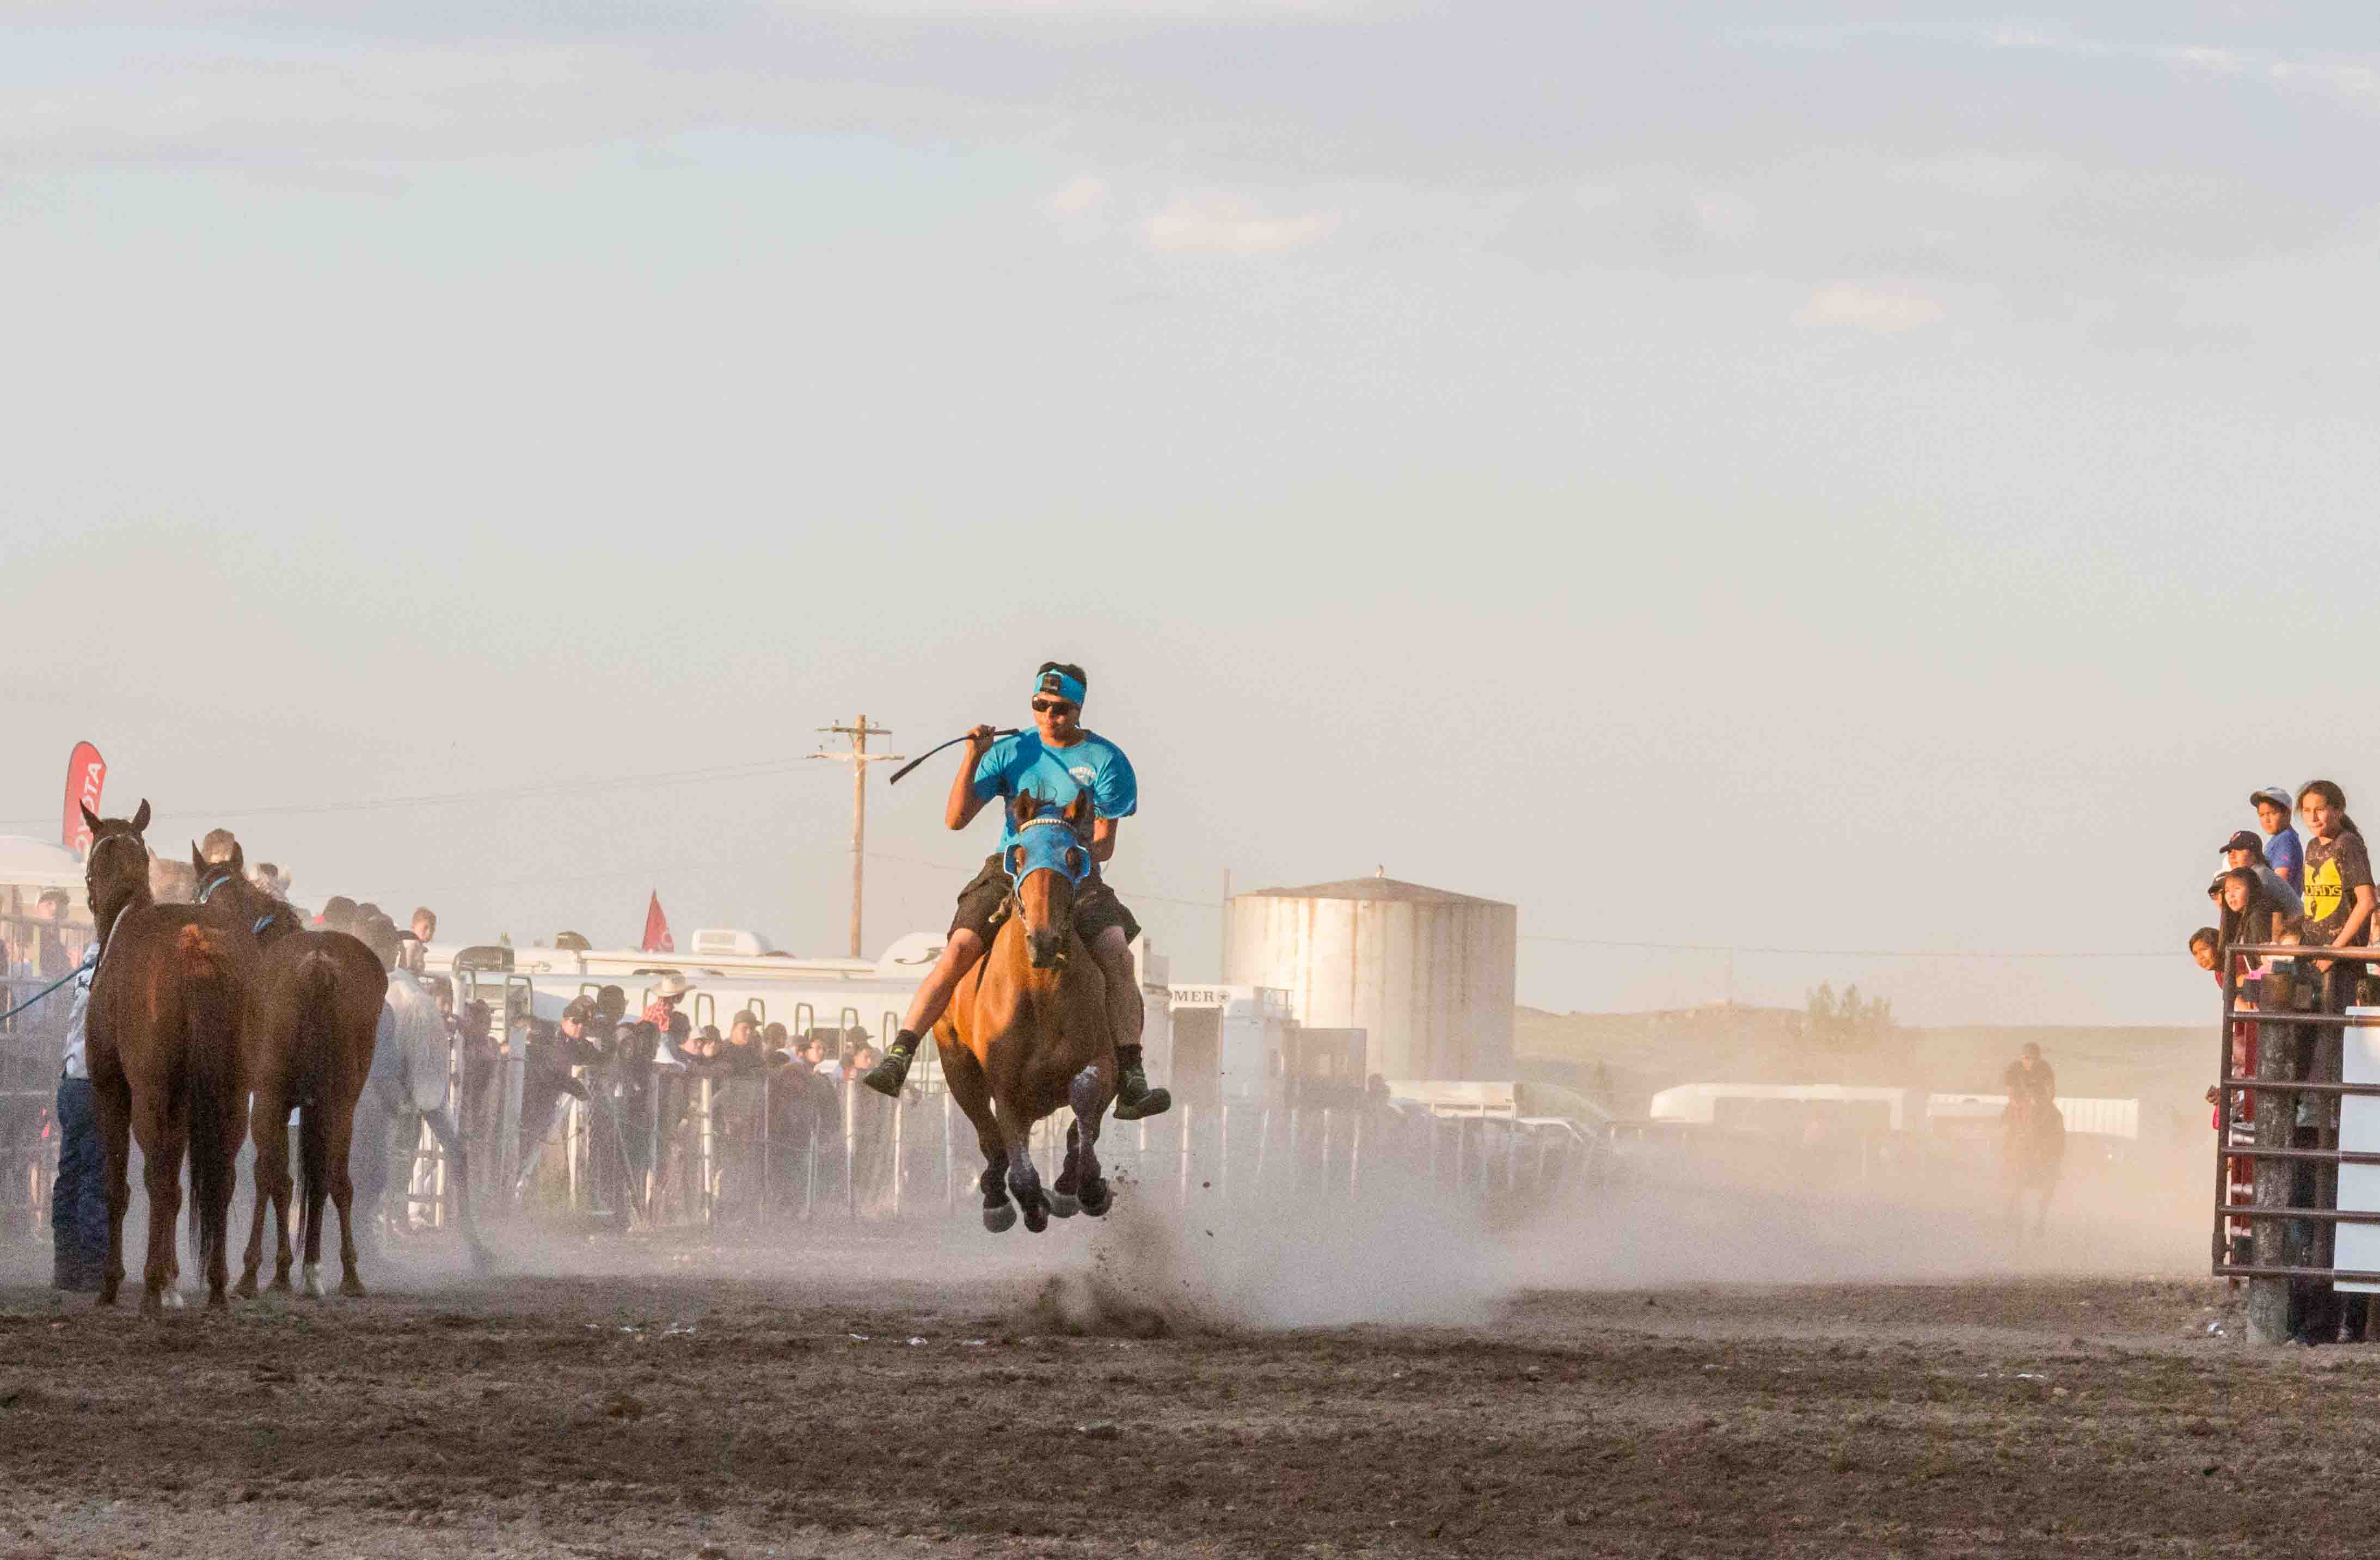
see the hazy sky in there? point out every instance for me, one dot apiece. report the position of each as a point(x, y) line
point(1845, 484)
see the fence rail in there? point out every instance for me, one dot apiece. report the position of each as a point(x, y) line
point(741, 1154)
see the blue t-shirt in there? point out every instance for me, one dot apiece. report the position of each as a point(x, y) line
point(1014, 766)
point(2286, 856)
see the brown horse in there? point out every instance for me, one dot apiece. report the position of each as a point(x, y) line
point(2033, 1150)
point(313, 1014)
point(164, 1043)
point(1028, 1030)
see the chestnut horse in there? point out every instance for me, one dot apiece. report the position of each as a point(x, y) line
point(1028, 1029)
point(313, 1014)
point(2033, 1147)
point(164, 1043)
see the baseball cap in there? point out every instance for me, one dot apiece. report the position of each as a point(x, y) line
point(2245, 839)
point(2278, 795)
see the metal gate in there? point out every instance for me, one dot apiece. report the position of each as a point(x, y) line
point(2292, 1216)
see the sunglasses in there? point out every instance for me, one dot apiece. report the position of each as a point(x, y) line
point(1049, 706)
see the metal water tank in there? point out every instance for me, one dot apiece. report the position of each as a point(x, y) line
point(1426, 973)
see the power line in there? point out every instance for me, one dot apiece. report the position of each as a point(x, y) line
point(562, 788)
point(1834, 952)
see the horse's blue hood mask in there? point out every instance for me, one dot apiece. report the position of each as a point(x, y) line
point(1048, 843)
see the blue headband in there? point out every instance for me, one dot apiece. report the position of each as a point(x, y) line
point(1060, 686)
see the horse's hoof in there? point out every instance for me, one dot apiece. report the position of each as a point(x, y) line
point(151, 1306)
point(218, 1300)
point(1001, 1220)
point(281, 1283)
point(352, 1286)
point(1064, 1204)
point(174, 1300)
point(1036, 1219)
point(246, 1287)
point(312, 1288)
point(1098, 1199)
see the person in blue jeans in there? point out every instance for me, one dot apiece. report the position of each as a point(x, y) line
point(79, 1201)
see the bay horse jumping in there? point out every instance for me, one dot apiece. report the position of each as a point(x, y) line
point(2033, 1149)
point(165, 1045)
point(313, 1013)
point(1028, 1030)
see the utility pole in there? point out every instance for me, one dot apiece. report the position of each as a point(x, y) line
point(858, 758)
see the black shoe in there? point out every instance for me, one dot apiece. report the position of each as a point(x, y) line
point(887, 1076)
point(1134, 1099)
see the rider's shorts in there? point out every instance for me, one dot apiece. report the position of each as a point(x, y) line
point(983, 906)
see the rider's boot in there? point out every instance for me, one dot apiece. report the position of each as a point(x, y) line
point(886, 1076)
point(1134, 1097)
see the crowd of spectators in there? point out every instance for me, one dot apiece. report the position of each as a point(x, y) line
point(638, 1076)
point(2304, 897)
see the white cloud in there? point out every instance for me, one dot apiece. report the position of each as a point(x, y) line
point(1221, 224)
point(2213, 62)
point(2340, 76)
point(1883, 311)
point(1078, 197)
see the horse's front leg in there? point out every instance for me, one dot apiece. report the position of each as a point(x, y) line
point(1024, 1180)
point(116, 1149)
point(1089, 1093)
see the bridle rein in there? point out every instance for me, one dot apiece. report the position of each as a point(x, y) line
point(216, 880)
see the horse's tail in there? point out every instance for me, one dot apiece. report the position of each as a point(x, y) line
point(211, 1007)
point(317, 985)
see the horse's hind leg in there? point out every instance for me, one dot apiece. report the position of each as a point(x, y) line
point(160, 1172)
point(268, 1129)
point(338, 1139)
point(314, 1167)
point(1063, 1202)
point(115, 1146)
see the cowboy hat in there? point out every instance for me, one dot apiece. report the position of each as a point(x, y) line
point(669, 983)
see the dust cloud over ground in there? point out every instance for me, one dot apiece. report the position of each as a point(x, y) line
point(1731, 1367)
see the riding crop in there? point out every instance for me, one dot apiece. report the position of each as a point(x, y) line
point(1004, 731)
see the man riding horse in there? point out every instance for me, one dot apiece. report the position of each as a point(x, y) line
point(1058, 759)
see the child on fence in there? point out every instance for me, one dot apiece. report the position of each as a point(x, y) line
point(2283, 853)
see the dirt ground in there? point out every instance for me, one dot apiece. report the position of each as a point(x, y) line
point(891, 1394)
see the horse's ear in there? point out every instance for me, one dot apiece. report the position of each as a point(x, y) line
point(89, 820)
point(1027, 805)
point(141, 818)
point(1078, 811)
point(238, 858)
point(198, 861)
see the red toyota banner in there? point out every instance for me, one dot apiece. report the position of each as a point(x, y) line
point(86, 773)
point(657, 932)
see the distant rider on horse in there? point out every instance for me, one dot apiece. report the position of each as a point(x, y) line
point(1053, 761)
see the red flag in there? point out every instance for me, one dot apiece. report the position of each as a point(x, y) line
point(86, 773)
point(657, 932)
